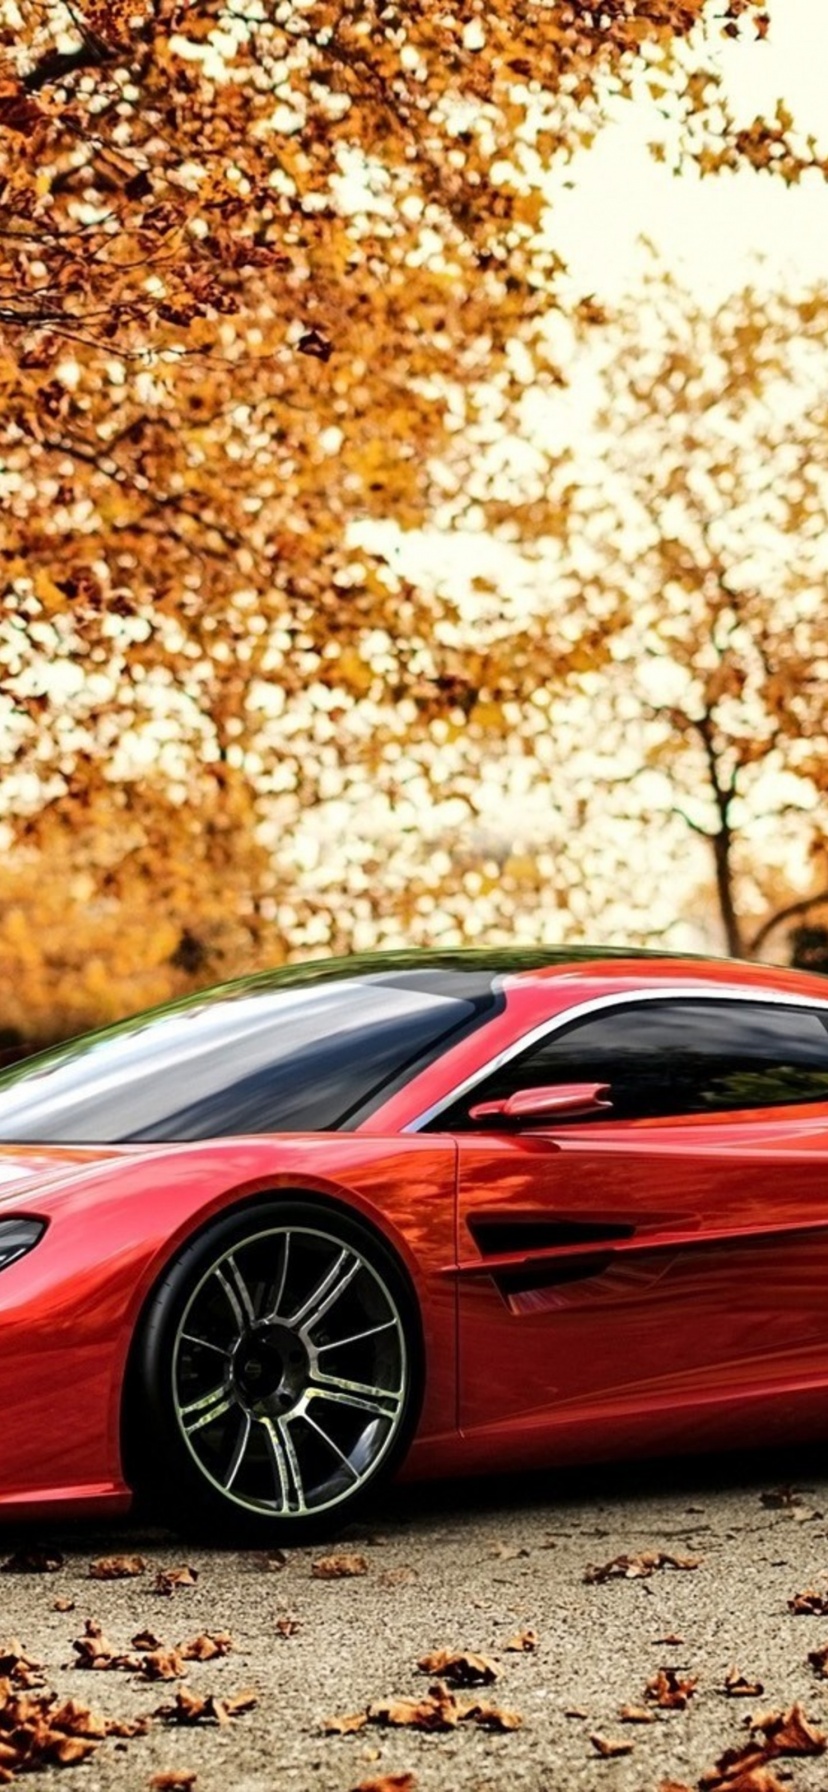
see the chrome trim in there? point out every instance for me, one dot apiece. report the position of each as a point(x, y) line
point(594, 1006)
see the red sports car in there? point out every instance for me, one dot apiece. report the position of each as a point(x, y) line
point(418, 1212)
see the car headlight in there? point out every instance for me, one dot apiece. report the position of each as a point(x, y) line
point(17, 1237)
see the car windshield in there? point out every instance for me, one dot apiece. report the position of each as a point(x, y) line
point(271, 1054)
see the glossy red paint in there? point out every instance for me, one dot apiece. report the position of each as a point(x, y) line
point(586, 1290)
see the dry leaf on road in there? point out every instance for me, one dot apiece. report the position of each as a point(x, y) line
point(490, 1717)
point(17, 1667)
point(525, 1642)
point(809, 1604)
point(338, 1567)
point(608, 1747)
point(388, 1782)
point(167, 1579)
point(635, 1714)
point(207, 1646)
point(117, 1568)
point(459, 1668)
point(638, 1567)
point(163, 1664)
point(790, 1732)
point(95, 1651)
point(344, 1726)
point(175, 1779)
point(437, 1710)
point(669, 1691)
point(189, 1708)
point(737, 1686)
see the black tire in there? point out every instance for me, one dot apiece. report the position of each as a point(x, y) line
point(276, 1376)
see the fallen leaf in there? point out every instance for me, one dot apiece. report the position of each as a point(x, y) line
point(737, 1686)
point(338, 1567)
point(490, 1717)
point(163, 1664)
point(207, 1646)
point(344, 1726)
point(638, 1567)
point(18, 1668)
point(459, 1669)
point(809, 1603)
point(117, 1568)
point(818, 1659)
point(507, 1552)
point(635, 1714)
point(176, 1779)
point(388, 1782)
point(33, 1561)
point(36, 1730)
point(790, 1733)
point(752, 1776)
point(63, 1605)
point(575, 1711)
point(95, 1651)
point(669, 1691)
point(167, 1579)
point(396, 1577)
point(668, 1642)
point(189, 1708)
point(525, 1642)
point(608, 1747)
point(673, 1786)
point(287, 1626)
point(146, 1639)
point(439, 1710)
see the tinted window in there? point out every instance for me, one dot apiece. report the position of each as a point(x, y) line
point(675, 1057)
point(263, 1056)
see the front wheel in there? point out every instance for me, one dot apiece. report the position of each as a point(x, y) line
point(278, 1372)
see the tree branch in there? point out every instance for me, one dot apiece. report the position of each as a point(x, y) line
point(92, 52)
point(786, 914)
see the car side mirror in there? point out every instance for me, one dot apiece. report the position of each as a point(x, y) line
point(558, 1098)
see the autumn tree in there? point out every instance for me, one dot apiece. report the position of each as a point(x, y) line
point(268, 272)
point(711, 521)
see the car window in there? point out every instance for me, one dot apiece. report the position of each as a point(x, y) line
point(672, 1057)
point(267, 1055)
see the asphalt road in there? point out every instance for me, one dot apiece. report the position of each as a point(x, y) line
point(466, 1568)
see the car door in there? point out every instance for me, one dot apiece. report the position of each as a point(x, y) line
point(667, 1252)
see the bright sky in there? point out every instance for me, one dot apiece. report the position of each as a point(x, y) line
point(709, 230)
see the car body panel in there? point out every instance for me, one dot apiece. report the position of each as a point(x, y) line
point(68, 1310)
point(647, 1285)
point(662, 1259)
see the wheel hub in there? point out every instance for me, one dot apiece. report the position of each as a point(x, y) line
point(271, 1369)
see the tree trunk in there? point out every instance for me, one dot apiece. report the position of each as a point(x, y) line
point(722, 843)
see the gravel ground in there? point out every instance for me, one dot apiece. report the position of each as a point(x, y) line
point(463, 1567)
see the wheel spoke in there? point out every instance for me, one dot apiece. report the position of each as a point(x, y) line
point(332, 1285)
point(285, 1463)
point(238, 1454)
point(383, 1402)
point(331, 1445)
point(230, 1279)
point(275, 1303)
point(209, 1407)
point(204, 1343)
point(357, 1337)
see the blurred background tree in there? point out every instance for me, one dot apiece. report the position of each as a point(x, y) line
point(275, 279)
